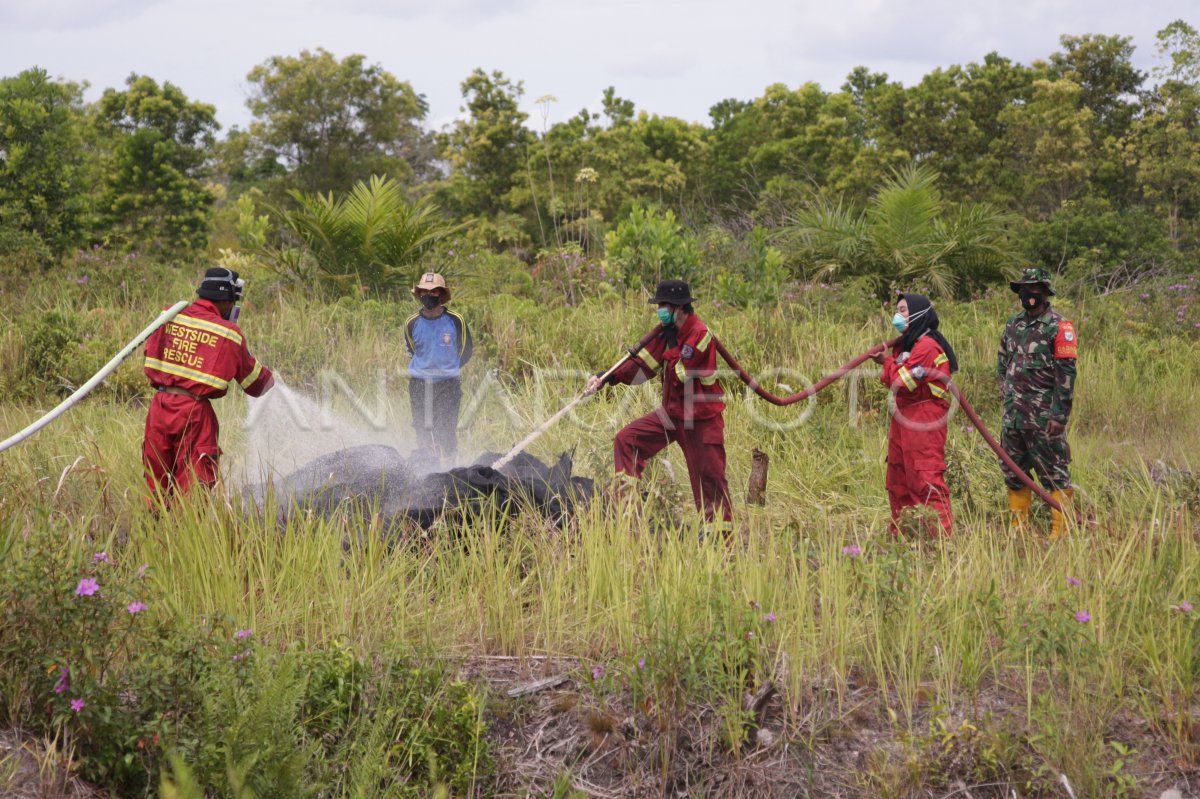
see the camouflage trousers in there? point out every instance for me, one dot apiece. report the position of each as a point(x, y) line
point(1034, 451)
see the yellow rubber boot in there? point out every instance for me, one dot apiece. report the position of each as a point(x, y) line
point(1019, 500)
point(1058, 520)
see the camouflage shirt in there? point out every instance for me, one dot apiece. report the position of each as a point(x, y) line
point(1036, 368)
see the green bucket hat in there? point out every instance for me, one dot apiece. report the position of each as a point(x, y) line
point(1032, 276)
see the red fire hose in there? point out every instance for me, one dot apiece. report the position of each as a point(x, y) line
point(845, 368)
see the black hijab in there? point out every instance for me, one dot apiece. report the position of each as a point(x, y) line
point(923, 319)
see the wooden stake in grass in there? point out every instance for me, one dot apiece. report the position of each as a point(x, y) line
point(756, 491)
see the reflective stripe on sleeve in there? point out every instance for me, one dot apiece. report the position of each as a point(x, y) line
point(938, 391)
point(249, 379)
point(907, 377)
point(649, 359)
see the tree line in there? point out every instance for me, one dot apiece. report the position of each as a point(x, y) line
point(1079, 162)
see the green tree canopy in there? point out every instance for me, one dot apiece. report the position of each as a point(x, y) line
point(43, 196)
point(335, 122)
point(487, 151)
point(157, 141)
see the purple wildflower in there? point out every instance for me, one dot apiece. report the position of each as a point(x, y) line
point(134, 608)
point(64, 680)
point(1083, 617)
point(141, 570)
point(852, 550)
point(100, 557)
point(78, 705)
point(769, 617)
point(1185, 607)
point(1074, 583)
point(597, 672)
point(641, 663)
point(87, 586)
point(240, 634)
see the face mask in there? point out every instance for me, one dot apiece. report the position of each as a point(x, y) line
point(430, 301)
point(666, 316)
point(899, 322)
point(1030, 299)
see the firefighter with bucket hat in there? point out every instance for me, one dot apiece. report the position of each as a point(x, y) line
point(691, 414)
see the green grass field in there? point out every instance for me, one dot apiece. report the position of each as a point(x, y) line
point(903, 667)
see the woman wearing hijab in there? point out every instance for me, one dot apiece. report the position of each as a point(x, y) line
point(917, 372)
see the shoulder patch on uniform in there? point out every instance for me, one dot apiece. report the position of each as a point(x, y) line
point(1065, 343)
point(687, 351)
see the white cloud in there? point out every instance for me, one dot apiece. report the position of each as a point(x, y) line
point(68, 14)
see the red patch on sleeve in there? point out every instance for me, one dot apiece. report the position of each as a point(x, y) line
point(1066, 345)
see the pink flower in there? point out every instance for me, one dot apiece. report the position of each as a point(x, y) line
point(1083, 617)
point(87, 586)
point(641, 663)
point(100, 557)
point(240, 634)
point(1071, 581)
point(141, 570)
point(852, 550)
point(134, 608)
point(597, 672)
point(769, 617)
point(1185, 607)
point(78, 705)
point(64, 680)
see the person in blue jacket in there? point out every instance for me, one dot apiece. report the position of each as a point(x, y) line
point(439, 342)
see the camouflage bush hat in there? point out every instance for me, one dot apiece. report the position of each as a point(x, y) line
point(1032, 276)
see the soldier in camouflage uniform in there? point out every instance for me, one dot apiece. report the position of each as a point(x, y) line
point(1036, 368)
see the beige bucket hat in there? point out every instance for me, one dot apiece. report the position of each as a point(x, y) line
point(432, 281)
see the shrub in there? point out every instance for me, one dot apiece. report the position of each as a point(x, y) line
point(91, 655)
point(649, 246)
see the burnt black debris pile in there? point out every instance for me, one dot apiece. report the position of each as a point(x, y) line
point(378, 479)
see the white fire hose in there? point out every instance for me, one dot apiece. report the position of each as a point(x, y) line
point(85, 389)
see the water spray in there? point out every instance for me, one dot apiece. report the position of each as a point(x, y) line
point(109, 368)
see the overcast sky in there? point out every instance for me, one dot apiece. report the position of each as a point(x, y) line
point(671, 57)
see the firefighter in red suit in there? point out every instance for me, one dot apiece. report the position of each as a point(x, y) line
point(191, 360)
point(917, 372)
point(692, 405)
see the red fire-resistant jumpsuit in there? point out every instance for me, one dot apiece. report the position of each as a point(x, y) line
point(690, 415)
point(916, 459)
point(191, 360)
